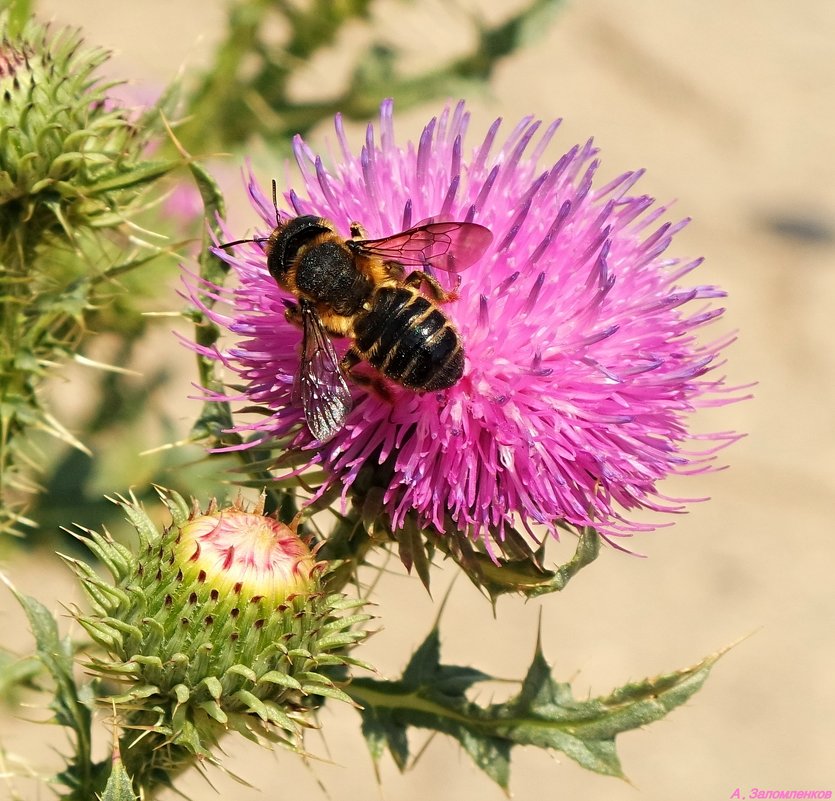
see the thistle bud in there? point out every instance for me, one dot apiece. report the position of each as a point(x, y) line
point(73, 170)
point(69, 154)
point(220, 622)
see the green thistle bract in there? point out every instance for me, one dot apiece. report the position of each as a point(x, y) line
point(73, 170)
point(220, 622)
point(68, 152)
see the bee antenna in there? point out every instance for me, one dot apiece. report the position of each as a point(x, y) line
point(258, 240)
point(275, 203)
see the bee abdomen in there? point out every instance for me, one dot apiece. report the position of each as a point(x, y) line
point(410, 340)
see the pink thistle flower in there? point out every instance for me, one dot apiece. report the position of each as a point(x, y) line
point(582, 361)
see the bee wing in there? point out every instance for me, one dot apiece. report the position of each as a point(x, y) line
point(450, 246)
point(321, 384)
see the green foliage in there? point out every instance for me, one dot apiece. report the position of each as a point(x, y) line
point(16, 674)
point(228, 111)
point(215, 417)
point(119, 785)
point(57, 656)
point(520, 569)
point(516, 569)
point(213, 423)
point(73, 170)
point(19, 12)
point(433, 696)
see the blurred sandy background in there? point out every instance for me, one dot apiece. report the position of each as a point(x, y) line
point(730, 107)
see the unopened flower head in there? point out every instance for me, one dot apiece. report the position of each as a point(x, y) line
point(582, 357)
point(245, 553)
point(66, 150)
point(219, 621)
point(73, 170)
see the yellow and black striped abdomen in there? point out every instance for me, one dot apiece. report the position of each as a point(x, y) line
point(410, 340)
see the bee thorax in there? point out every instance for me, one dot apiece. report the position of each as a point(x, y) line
point(327, 274)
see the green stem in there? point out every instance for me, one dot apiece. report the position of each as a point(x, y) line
point(215, 419)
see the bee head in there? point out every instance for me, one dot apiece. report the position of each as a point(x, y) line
point(288, 238)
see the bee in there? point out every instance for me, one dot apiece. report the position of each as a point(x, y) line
point(359, 289)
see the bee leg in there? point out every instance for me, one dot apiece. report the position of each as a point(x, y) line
point(395, 270)
point(293, 314)
point(350, 360)
point(357, 231)
point(435, 290)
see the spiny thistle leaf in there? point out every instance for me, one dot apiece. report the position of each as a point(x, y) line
point(545, 713)
point(56, 654)
point(16, 673)
point(119, 786)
